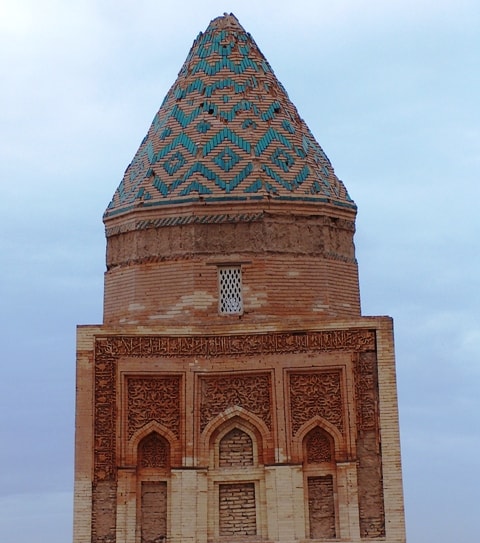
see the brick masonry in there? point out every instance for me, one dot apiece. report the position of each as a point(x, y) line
point(153, 512)
point(278, 422)
point(237, 515)
point(300, 266)
point(238, 441)
point(236, 450)
point(321, 507)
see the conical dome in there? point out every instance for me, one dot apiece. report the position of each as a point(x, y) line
point(227, 132)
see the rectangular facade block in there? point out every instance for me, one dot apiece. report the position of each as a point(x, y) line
point(145, 384)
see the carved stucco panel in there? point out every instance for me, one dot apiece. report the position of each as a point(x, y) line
point(251, 392)
point(153, 452)
point(108, 349)
point(316, 394)
point(105, 420)
point(153, 399)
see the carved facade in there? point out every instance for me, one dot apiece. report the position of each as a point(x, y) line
point(264, 410)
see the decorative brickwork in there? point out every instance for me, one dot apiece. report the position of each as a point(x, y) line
point(154, 399)
point(369, 471)
point(321, 507)
point(262, 417)
point(316, 394)
point(105, 417)
point(237, 509)
point(252, 392)
point(108, 349)
point(227, 130)
point(182, 221)
point(311, 394)
point(366, 392)
point(236, 450)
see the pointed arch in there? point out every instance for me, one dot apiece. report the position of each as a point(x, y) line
point(153, 452)
point(152, 427)
point(225, 422)
point(318, 447)
point(330, 430)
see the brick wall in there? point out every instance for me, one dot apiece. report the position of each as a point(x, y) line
point(321, 507)
point(236, 450)
point(154, 511)
point(226, 493)
point(237, 509)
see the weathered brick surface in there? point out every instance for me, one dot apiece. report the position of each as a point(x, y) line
point(237, 509)
point(104, 512)
point(370, 493)
point(321, 507)
point(154, 511)
point(367, 493)
point(283, 274)
point(370, 490)
point(236, 449)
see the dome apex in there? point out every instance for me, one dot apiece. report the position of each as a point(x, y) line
point(227, 132)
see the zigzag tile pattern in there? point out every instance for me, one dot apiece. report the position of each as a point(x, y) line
point(227, 131)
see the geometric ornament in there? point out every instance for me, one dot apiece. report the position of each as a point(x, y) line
point(226, 159)
point(174, 163)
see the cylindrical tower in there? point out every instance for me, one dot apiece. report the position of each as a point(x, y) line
point(229, 207)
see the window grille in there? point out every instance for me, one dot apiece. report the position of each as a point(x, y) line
point(230, 285)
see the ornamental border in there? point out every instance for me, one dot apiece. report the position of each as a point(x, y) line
point(109, 346)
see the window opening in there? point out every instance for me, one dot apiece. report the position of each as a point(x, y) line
point(230, 285)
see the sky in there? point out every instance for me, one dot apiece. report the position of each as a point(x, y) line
point(391, 92)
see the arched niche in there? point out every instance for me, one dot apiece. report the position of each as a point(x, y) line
point(249, 428)
point(318, 447)
point(153, 452)
point(153, 428)
point(323, 430)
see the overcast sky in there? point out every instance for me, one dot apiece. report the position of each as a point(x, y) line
point(391, 91)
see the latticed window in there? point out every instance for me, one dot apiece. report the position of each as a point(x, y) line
point(230, 286)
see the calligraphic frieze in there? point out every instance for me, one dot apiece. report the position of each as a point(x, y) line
point(235, 345)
